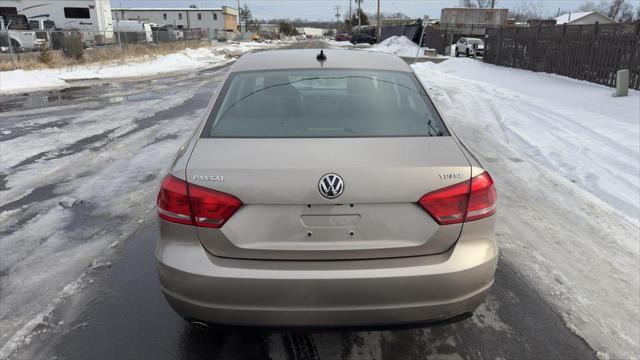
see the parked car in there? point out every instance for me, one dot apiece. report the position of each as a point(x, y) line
point(362, 39)
point(16, 28)
point(343, 37)
point(469, 47)
point(335, 196)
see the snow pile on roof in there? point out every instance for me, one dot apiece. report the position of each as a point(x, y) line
point(562, 19)
point(188, 59)
point(564, 155)
point(398, 45)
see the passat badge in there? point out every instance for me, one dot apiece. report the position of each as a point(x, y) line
point(208, 178)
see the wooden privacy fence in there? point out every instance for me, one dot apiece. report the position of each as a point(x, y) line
point(585, 52)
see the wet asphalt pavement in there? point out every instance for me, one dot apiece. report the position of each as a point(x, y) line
point(120, 313)
point(124, 316)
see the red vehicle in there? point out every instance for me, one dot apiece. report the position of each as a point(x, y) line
point(343, 37)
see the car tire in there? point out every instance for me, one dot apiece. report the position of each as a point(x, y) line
point(467, 52)
point(15, 45)
point(457, 53)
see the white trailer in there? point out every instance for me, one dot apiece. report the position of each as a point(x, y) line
point(92, 18)
point(133, 26)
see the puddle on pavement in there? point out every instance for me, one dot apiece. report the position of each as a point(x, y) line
point(71, 95)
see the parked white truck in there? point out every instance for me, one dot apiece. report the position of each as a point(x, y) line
point(91, 18)
point(15, 31)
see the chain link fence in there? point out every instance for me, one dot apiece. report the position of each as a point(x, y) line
point(21, 49)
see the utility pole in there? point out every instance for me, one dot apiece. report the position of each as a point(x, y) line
point(239, 18)
point(493, 4)
point(379, 24)
point(350, 17)
point(337, 7)
point(359, 13)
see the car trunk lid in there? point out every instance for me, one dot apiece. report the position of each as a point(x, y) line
point(284, 215)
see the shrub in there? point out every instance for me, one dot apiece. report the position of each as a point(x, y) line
point(45, 55)
point(72, 47)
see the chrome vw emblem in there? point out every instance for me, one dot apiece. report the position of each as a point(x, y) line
point(331, 186)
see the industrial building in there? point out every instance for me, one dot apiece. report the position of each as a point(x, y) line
point(472, 21)
point(312, 33)
point(217, 20)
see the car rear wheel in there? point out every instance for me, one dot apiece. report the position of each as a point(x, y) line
point(15, 45)
point(467, 52)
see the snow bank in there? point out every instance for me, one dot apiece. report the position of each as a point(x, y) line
point(339, 43)
point(398, 45)
point(565, 156)
point(573, 127)
point(188, 59)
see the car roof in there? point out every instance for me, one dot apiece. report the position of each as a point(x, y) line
point(306, 59)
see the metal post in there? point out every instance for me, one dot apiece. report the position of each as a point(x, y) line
point(121, 50)
point(622, 83)
point(350, 17)
point(13, 60)
point(420, 43)
point(359, 15)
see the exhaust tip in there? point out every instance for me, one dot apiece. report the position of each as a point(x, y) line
point(199, 325)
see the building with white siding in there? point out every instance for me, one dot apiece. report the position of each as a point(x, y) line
point(217, 20)
point(584, 18)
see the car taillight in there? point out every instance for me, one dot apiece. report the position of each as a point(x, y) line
point(173, 201)
point(482, 198)
point(466, 201)
point(190, 204)
point(211, 208)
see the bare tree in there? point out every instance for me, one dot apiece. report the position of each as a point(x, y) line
point(588, 6)
point(619, 10)
point(393, 15)
point(528, 9)
point(483, 4)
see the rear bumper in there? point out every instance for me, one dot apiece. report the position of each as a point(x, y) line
point(326, 293)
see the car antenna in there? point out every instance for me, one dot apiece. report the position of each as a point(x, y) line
point(321, 57)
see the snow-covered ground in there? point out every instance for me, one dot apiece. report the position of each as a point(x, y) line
point(84, 175)
point(188, 59)
point(565, 155)
point(339, 43)
point(398, 45)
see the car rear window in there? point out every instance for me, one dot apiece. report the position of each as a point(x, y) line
point(323, 103)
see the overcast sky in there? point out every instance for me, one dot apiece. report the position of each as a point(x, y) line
point(325, 9)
